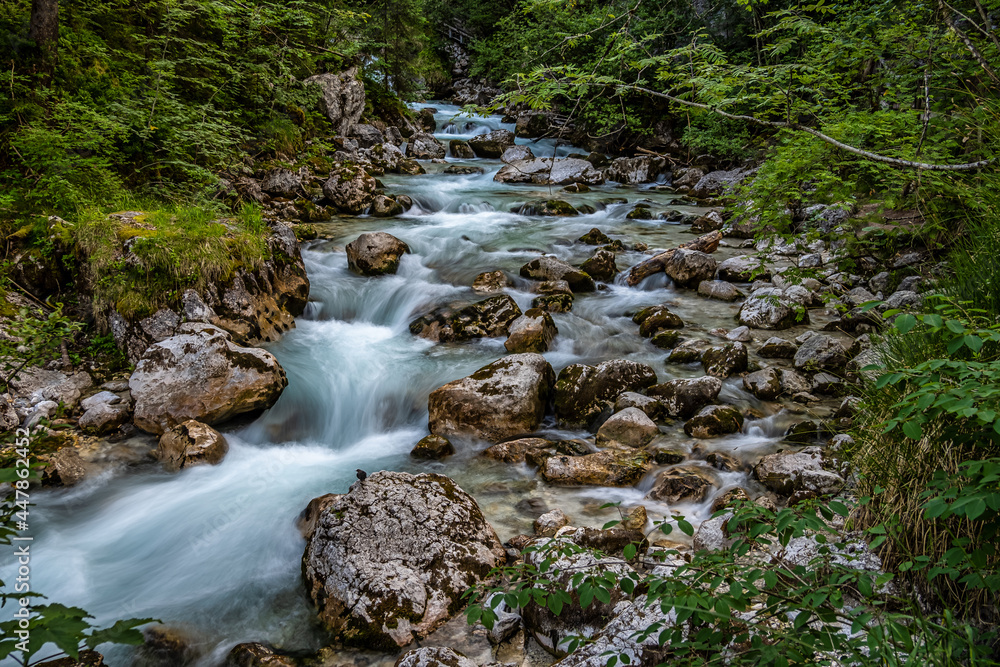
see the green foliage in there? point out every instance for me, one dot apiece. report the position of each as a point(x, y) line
point(36, 338)
point(790, 590)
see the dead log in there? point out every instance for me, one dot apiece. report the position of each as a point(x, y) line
point(706, 243)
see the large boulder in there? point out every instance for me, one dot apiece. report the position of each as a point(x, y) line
point(189, 444)
point(688, 268)
point(492, 145)
point(608, 467)
point(366, 135)
point(716, 183)
point(423, 146)
point(350, 189)
point(632, 170)
point(532, 332)
point(500, 400)
point(583, 393)
point(684, 397)
point(769, 308)
point(375, 253)
point(601, 266)
point(201, 374)
point(549, 171)
point(549, 268)
point(342, 98)
point(461, 149)
point(488, 318)
point(280, 182)
point(390, 561)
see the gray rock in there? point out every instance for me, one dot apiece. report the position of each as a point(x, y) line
point(350, 189)
point(549, 171)
point(500, 400)
point(375, 253)
point(778, 472)
point(201, 374)
point(740, 334)
point(689, 484)
point(342, 98)
point(820, 352)
point(601, 266)
point(623, 636)
point(104, 418)
point(281, 182)
point(629, 427)
point(549, 268)
point(880, 282)
point(765, 384)
point(366, 135)
point(769, 308)
point(650, 406)
point(488, 318)
point(632, 170)
point(491, 281)
point(549, 523)
point(688, 268)
point(609, 467)
point(712, 535)
point(492, 145)
point(390, 560)
point(423, 146)
point(532, 332)
point(716, 183)
point(516, 154)
point(434, 656)
point(741, 269)
point(777, 348)
point(718, 289)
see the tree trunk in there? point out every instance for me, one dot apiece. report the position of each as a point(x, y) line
point(44, 29)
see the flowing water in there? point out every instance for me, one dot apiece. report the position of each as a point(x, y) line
point(214, 550)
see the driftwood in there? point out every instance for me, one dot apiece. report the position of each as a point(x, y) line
point(706, 243)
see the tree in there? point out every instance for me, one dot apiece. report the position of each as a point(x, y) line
point(44, 30)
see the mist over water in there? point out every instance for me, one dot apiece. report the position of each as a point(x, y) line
point(214, 549)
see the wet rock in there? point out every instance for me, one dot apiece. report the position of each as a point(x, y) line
point(546, 208)
point(532, 332)
point(516, 153)
point(491, 281)
point(713, 421)
point(687, 352)
point(461, 149)
point(423, 146)
point(743, 269)
point(765, 384)
point(433, 656)
point(518, 451)
point(725, 360)
point(793, 382)
point(655, 319)
point(709, 222)
point(630, 427)
point(690, 484)
point(189, 444)
point(549, 171)
point(492, 145)
point(666, 339)
point(342, 98)
point(553, 631)
point(601, 266)
point(688, 268)
point(650, 406)
point(595, 237)
point(632, 170)
point(724, 462)
point(104, 418)
point(686, 177)
point(583, 393)
point(375, 253)
point(740, 334)
point(553, 303)
point(820, 352)
point(426, 121)
point(500, 400)
point(390, 560)
point(201, 374)
point(769, 308)
point(684, 397)
point(488, 318)
point(550, 268)
point(432, 447)
point(777, 348)
point(549, 523)
point(608, 467)
point(531, 125)
point(385, 207)
point(257, 655)
point(778, 472)
point(718, 289)
point(640, 213)
point(829, 385)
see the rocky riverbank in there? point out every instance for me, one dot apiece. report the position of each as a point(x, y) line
point(654, 408)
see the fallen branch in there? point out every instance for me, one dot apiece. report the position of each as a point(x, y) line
point(707, 243)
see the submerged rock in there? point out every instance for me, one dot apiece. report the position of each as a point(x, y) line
point(500, 400)
point(201, 374)
point(390, 561)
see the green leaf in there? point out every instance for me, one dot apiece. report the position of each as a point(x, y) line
point(904, 323)
point(913, 430)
